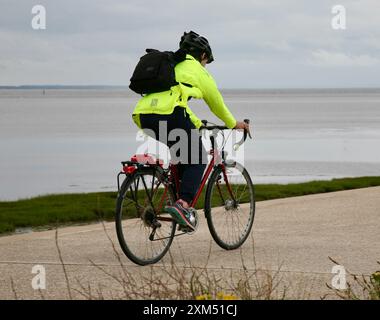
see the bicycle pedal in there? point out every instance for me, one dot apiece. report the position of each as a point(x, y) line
point(185, 229)
point(156, 224)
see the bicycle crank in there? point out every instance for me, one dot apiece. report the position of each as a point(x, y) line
point(194, 220)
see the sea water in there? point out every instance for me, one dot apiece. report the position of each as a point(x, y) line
point(62, 140)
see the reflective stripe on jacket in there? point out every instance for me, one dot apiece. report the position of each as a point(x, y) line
point(188, 72)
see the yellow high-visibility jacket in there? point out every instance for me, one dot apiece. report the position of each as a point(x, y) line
point(190, 72)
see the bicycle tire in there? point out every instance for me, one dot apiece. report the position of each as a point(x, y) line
point(137, 221)
point(212, 215)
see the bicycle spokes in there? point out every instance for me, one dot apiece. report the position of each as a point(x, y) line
point(230, 206)
point(145, 232)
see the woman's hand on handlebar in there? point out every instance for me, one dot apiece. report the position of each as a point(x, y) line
point(242, 125)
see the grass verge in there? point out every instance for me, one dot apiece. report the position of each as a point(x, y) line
point(53, 210)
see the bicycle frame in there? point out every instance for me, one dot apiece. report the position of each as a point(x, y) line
point(216, 158)
point(160, 186)
point(137, 161)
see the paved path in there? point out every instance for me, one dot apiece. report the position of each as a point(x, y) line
point(293, 235)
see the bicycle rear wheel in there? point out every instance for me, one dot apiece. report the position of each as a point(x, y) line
point(144, 231)
point(230, 205)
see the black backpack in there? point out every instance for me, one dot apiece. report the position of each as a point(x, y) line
point(155, 71)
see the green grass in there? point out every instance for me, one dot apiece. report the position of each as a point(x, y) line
point(275, 191)
point(56, 209)
point(86, 207)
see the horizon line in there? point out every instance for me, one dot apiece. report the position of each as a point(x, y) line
point(105, 86)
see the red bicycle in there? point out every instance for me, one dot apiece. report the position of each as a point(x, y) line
point(145, 232)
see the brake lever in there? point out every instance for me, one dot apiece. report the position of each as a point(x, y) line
point(248, 131)
point(249, 134)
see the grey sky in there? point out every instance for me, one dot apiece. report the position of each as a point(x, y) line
point(256, 44)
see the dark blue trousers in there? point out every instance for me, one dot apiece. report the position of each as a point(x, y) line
point(193, 164)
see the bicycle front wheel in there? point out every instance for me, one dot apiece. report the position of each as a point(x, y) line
point(230, 205)
point(144, 231)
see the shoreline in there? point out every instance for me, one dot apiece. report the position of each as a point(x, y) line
point(51, 211)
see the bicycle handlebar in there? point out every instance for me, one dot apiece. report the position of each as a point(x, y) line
point(236, 145)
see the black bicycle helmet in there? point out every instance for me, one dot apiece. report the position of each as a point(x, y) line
point(192, 42)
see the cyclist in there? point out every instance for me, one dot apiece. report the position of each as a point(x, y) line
point(171, 107)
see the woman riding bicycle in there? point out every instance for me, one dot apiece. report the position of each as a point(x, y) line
point(171, 108)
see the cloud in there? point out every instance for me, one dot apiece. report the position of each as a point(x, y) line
point(339, 59)
point(254, 42)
